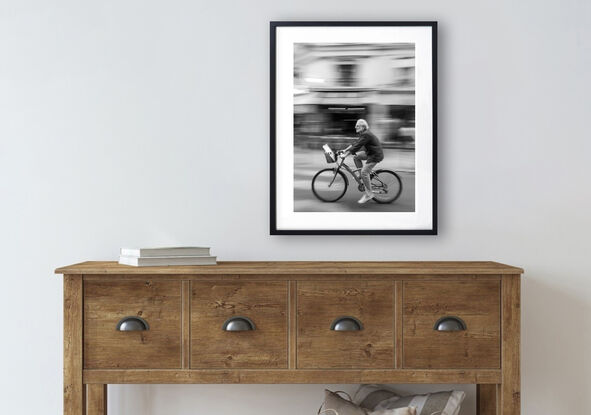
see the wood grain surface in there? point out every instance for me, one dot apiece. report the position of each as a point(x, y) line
point(293, 305)
point(292, 330)
point(73, 388)
point(398, 324)
point(319, 376)
point(290, 277)
point(320, 303)
point(486, 399)
point(186, 324)
point(106, 302)
point(96, 399)
point(302, 267)
point(477, 303)
point(212, 303)
point(511, 315)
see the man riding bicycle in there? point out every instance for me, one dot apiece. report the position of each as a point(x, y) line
point(372, 155)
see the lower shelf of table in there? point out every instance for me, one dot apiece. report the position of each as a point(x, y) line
point(319, 376)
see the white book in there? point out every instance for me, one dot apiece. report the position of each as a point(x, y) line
point(167, 251)
point(166, 260)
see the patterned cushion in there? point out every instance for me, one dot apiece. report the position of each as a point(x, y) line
point(398, 411)
point(439, 403)
point(333, 401)
point(334, 404)
point(369, 396)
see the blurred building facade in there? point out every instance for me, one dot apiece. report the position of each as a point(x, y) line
point(336, 84)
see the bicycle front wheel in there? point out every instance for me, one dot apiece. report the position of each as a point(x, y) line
point(328, 186)
point(386, 186)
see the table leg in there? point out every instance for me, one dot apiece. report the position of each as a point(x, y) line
point(73, 388)
point(486, 399)
point(96, 399)
point(510, 389)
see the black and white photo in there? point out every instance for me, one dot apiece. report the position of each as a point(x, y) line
point(353, 133)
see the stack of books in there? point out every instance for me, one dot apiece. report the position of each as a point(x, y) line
point(151, 257)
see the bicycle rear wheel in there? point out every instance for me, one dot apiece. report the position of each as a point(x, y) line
point(328, 187)
point(386, 186)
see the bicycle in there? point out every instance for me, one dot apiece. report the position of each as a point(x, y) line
point(330, 184)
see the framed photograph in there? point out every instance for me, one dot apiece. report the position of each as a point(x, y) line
point(353, 128)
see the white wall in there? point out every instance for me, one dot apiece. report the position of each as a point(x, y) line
point(127, 123)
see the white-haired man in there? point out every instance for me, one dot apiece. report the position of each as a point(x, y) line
point(372, 155)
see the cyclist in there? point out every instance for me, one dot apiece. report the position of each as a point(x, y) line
point(372, 155)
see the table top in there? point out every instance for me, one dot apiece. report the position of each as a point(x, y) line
point(301, 267)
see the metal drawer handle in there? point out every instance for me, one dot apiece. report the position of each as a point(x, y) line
point(239, 323)
point(133, 323)
point(346, 323)
point(450, 323)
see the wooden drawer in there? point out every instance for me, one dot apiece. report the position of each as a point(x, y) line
point(319, 303)
point(264, 303)
point(477, 303)
point(107, 302)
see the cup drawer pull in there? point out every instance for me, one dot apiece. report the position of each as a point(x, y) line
point(450, 323)
point(132, 323)
point(239, 324)
point(346, 323)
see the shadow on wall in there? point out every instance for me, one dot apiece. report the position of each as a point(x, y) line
point(560, 324)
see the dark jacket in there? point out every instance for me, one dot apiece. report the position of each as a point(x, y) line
point(372, 145)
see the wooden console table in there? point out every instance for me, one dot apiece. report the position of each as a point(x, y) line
point(292, 322)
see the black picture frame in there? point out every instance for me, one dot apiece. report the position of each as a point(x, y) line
point(278, 229)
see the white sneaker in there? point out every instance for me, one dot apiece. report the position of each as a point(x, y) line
point(365, 198)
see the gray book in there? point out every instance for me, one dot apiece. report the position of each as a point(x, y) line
point(166, 251)
point(166, 260)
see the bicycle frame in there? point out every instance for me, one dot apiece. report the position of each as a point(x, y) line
point(380, 180)
point(352, 172)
